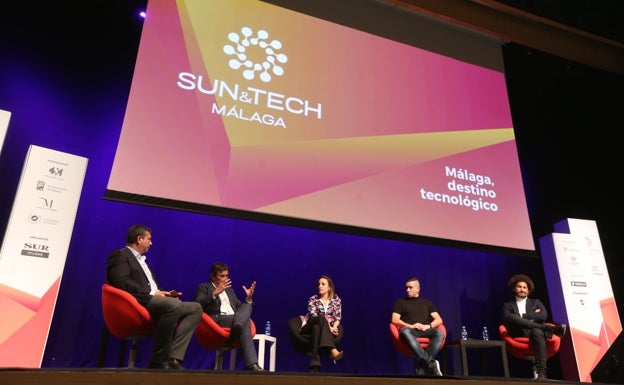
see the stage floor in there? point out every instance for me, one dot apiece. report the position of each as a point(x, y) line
point(115, 376)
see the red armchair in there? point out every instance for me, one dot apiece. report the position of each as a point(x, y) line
point(126, 319)
point(403, 348)
point(211, 336)
point(520, 348)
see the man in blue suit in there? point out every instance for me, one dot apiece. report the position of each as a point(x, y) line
point(526, 317)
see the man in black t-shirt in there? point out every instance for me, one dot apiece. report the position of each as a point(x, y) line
point(418, 317)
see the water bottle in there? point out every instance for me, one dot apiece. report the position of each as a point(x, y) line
point(486, 334)
point(267, 328)
point(464, 333)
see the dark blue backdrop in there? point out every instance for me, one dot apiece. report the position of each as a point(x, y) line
point(67, 91)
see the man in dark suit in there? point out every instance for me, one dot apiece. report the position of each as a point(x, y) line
point(219, 301)
point(526, 317)
point(176, 320)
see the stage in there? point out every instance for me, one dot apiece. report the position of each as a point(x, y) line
point(203, 377)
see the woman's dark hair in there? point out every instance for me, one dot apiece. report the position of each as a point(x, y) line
point(330, 283)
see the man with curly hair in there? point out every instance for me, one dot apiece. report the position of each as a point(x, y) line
point(526, 317)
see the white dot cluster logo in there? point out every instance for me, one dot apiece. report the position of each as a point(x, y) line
point(246, 47)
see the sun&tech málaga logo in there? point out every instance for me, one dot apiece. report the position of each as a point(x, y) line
point(271, 60)
point(256, 56)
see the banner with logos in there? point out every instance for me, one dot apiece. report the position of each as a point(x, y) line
point(5, 116)
point(580, 294)
point(34, 250)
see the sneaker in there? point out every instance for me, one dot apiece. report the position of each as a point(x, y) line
point(434, 366)
point(541, 375)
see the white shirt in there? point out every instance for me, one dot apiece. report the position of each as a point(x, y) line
point(521, 303)
point(226, 306)
point(146, 270)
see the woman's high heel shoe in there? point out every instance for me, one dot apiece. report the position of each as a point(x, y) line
point(336, 355)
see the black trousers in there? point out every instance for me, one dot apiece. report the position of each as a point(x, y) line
point(322, 340)
point(537, 333)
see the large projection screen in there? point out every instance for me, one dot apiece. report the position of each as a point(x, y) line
point(248, 109)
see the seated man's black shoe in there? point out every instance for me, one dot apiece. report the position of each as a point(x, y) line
point(315, 369)
point(560, 330)
point(176, 364)
point(541, 376)
point(235, 333)
point(160, 365)
point(421, 368)
point(254, 368)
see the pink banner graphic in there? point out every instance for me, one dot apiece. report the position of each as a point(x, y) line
point(245, 105)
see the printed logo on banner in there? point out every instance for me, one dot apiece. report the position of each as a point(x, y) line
point(56, 171)
point(46, 204)
point(43, 186)
point(31, 265)
point(36, 219)
point(38, 250)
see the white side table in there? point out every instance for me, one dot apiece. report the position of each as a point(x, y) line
point(262, 340)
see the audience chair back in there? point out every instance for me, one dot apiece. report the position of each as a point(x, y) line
point(520, 348)
point(126, 319)
point(211, 336)
point(402, 346)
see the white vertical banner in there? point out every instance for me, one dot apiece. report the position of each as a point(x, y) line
point(580, 294)
point(34, 250)
point(5, 116)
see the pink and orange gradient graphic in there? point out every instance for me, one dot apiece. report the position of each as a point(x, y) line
point(351, 132)
point(24, 326)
